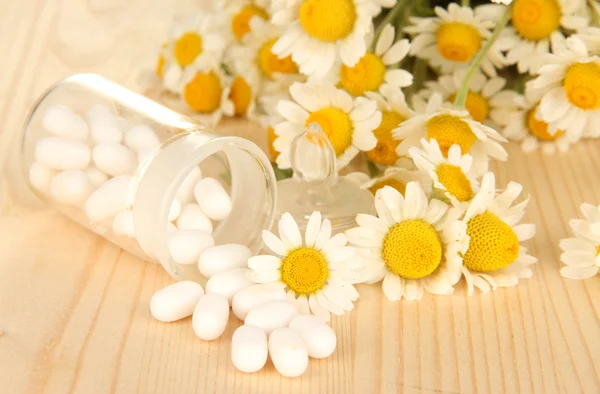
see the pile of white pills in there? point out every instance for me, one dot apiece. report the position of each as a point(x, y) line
point(90, 161)
point(272, 325)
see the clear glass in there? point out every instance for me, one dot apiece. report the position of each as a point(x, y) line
point(153, 169)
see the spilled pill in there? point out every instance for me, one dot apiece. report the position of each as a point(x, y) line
point(288, 352)
point(254, 296)
point(187, 245)
point(109, 199)
point(175, 301)
point(210, 316)
point(123, 224)
point(272, 315)
point(104, 125)
point(227, 283)
point(71, 187)
point(114, 159)
point(63, 122)
point(192, 218)
point(213, 199)
point(249, 349)
point(62, 153)
point(41, 176)
point(223, 258)
point(141, 137)
point(319, 338)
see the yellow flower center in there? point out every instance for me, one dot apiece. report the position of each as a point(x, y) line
point(385, 151)
point(391, 182)
point(203, 93)
point(187, 48)
point(412, 249)
point(240, 95)
point(328, 20)
point(450, 130)
point(493, 245)
point(366, 76)
point(270, 64)
point(336, 124)
point(539, 128)
point(582, 85)
point(455, 181)
point(271, 136)
point(240, 23)
point(477, 105)
point(536, 19)
point(458, 41)
point(304, 271)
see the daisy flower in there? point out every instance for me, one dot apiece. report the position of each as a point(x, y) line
point(487, 100)
point(570, 85)
point(269, 120)
point(451, 39)
point(374, 69)
point(243, 93)
point(194, 43)
point(524, 126)
point(413, 244)
point(242, 12)
point(451, 175)
point(394, 110)
point(581, 252)
point(316, 272)
point(535, 23)
point(317, 32)
point(394, 177)
point(207, 92)
point(495, 257)
point(451, 127)
point(591, 36)
point(347, 122)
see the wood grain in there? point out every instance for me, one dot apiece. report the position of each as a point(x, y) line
point(74, 308)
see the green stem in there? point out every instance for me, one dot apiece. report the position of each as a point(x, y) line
point(466, 3)
point(391, 15)
point(461, 96)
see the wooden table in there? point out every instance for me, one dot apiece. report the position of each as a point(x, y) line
point(74, 308)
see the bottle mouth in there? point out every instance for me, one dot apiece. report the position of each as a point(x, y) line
point(252, 190)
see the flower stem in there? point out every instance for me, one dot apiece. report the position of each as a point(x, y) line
point(461, 96)
point(466, 3)
point(391, 15)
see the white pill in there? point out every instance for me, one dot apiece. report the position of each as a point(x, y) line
point(223, 258)
point(227, 283)
point(254, 296)
point(175, 211)
point(41, 176)
point(123, 224)
point(63, 122)
point(62, 153)
point(175, 301)
point(288, 352)
point(114, 196)
point(213, 199)
point(141, 137)
point(96, 176)
point(272, 315)
point(192, 218)
point(210, 317)
point(319, 338)
point(249, 349)
point(186, 190)
point(71, 187)
point(186, 246)
point(104, 125)
point(114, 159)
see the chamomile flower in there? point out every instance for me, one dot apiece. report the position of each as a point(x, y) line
point(194, 43)
point(207, 93)
point(495, 256)
point(452, 175)
point(270, 119)
point(395, 177)
point(318, 32)
point(374, 69)
point(243, 92)
point(535, 23)
point(413, 244)
point(316, 272)
point(451, 39)
point(452, 127)
point(487, 100)
point(347, 122)
point(524, 126)
point(570, 85)
point(242, 12)
point(591, 36)
point(581, 253)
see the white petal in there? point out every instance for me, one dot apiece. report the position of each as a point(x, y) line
point(413, 290)
point(340, 255)
point(578, 273)
point(317, 309)
point(302, 303)
point(382, 211)
point(264, 262)
point(265, 276)
point(292, 111)
point(385, 40)
point(400, 78)
point(524, 231)
point(397, 52)
point(415, 203)
point(578, 258)
point(393, 201)
point(289, 231)
point(392, 286)
point(435, 211)
point(371, 221)
point(273, 243)
point(312, 229)
point(365, 237)
point(334, 242)
point(324, 234)
point(329, 305)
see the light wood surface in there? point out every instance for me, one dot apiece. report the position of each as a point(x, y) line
point(74, 308)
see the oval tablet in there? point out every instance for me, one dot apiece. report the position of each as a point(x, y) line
point(249, 349)
point(223, 258)
point(187, 245)
point(62, 153)
point(41, 176)
point(141, 137)
point(213, 199)
point(253, 296)
point(104, 125)
point(319, 338)
point(123, 224)
point(175, 301)
point(96, 176)
point(174, 211)
point(210, 316)
point(114, 196)
point(272, 315)
point(288, 352)
point(227, 283)
point(71, 187)
point(114, 159)
point(192, 218)
point(63, 122)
